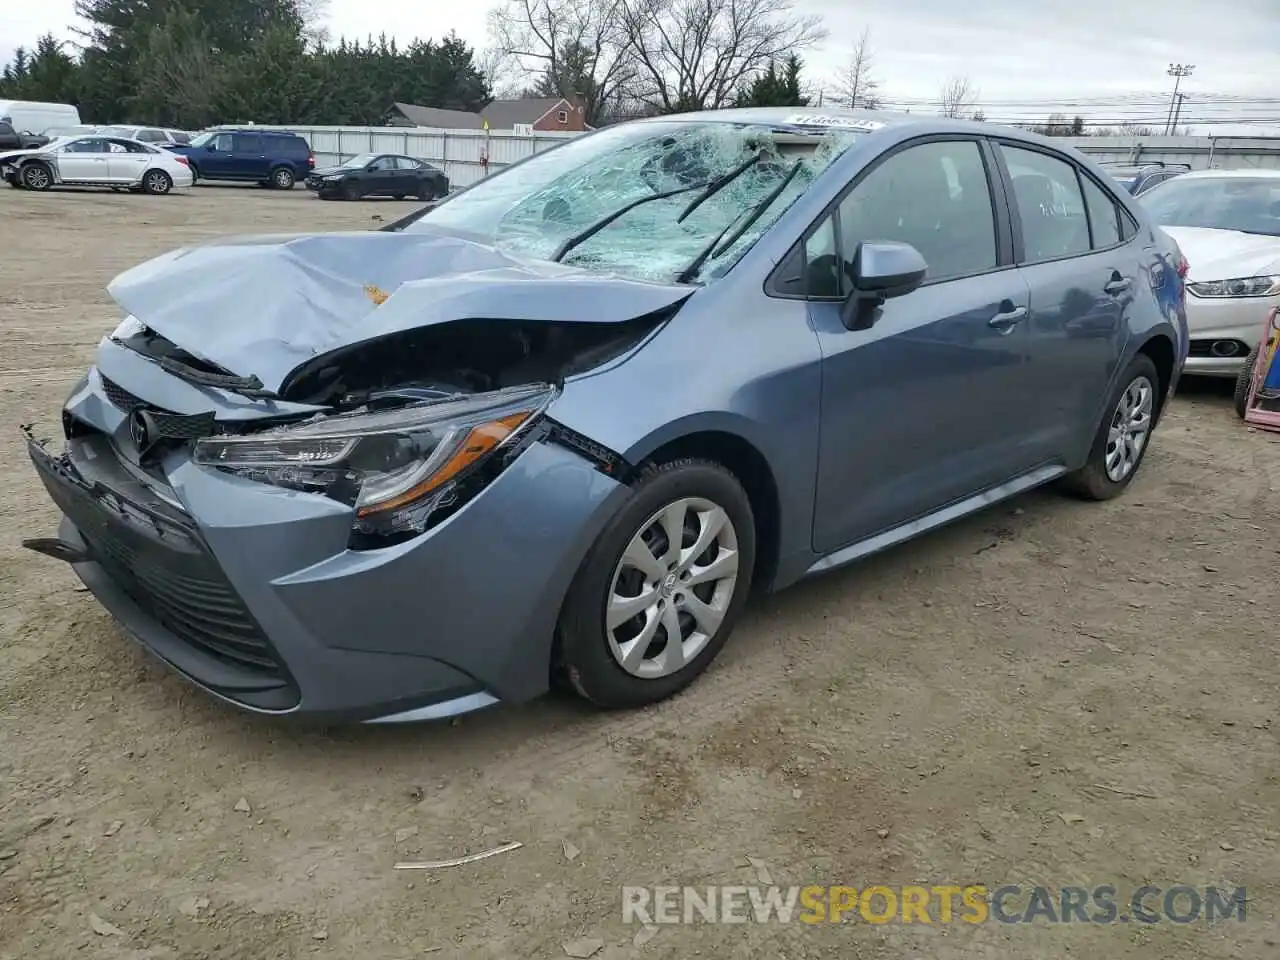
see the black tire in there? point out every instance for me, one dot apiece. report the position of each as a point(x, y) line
point(195, 174)
point(584, 658)
point(282, 178)
point(1091, 481)
point(35, 173)
point(1243, 379)
point(156, 182)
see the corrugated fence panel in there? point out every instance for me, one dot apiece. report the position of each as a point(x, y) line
point(457, 152)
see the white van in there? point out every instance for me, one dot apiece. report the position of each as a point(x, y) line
point(29, 116)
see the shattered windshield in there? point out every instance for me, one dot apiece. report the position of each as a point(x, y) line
point(676, 188)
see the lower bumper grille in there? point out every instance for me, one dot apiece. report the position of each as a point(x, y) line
point(161, 563)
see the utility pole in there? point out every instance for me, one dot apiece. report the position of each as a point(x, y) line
point(1177, 71)
point(1177, 112)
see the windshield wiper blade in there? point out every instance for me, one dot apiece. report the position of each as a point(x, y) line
point(250, 387)
point(715, 248)
point(593, 229)
point(718, 184)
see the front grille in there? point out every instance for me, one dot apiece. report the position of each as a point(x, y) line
point(165, 569)
point(121, 397)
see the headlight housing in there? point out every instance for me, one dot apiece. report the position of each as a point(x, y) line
point(332, 177)
point(394, 467)
point(1264, 286)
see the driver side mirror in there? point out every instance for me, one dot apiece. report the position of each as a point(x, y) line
point(882, 269)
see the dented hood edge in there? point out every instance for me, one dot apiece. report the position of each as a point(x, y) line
point(265, 305)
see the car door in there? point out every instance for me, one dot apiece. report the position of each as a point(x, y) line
point(84, 161)
point(127, 162)
point(924, 408)
point(249, 157)
point(1074, 249)
point(217, 159)
point(380, 176)
point(407, 182)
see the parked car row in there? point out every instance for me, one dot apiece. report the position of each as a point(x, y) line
point(270, 158)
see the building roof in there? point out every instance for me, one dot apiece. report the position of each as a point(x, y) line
point(505, 114)
point(500, 114)
point(439, 117)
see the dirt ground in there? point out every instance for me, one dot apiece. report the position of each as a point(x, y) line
point(940, 714)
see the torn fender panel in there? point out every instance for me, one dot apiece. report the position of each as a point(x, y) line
point(261, 306)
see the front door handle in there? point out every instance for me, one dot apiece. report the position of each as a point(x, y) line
point(1118, 286)
point(1006, 320)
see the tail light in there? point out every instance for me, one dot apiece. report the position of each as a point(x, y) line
point(182, 160)
point(1183, 266)
point(311, 160)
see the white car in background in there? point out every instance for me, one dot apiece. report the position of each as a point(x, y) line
point(157, 136)
point(1227, 223)
point(96, 161)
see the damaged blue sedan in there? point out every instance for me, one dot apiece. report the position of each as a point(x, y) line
point(555, 429)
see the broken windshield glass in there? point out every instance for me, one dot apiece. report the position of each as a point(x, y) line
point(619, 200)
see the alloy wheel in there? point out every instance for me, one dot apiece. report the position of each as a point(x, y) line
point(37, 178)
point(157, 182)
point(1130, 427)
point(672, 588)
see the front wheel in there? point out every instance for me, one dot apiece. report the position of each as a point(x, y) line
point(37, 176)
point(660, 590)
point(1123, 435)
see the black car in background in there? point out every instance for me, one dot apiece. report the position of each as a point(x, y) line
point(379, 175)
point(11, 139)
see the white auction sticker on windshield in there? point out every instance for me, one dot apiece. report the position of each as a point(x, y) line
point(828, 120)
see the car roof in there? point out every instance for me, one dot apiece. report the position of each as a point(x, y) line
point(1255, 174)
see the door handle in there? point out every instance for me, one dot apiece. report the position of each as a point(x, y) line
point(1006, 320)
point(1118, 286)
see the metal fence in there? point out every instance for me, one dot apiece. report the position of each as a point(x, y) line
point(1200, 153)
point(459, 153)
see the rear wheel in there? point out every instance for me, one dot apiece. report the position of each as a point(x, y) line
point(1123, 435)
point(1244, 379)
point(282, 178)
point(660, 591)
point(157, 182)
point(37, 176)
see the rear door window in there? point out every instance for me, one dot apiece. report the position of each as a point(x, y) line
point(1048, 201)
point(1104, 215)
point(248, 143)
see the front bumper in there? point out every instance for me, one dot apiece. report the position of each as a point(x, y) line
point(250, 591)
point(1215, 323)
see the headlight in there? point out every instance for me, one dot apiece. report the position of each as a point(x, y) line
point(1243, 287)
point(332, 177)
point(395, 467)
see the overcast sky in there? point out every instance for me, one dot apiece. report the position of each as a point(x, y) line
point(1012, 50)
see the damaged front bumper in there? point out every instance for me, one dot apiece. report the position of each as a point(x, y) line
point(253, 593)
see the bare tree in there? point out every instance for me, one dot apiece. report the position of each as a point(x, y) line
point(958, 97)
point(576, 48)
point(697, 54)
point(856, 83)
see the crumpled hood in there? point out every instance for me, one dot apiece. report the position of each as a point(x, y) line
point(261, 306)
point(1225, 254)
point(13, 154)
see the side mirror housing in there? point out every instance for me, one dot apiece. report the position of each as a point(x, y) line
point(211, 147)
point(882, 269)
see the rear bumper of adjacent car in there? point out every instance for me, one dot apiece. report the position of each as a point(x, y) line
point(252, 592)
point(1223, 331)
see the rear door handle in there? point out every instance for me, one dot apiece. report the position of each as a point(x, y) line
point(1007, 319)
point(1117, 287)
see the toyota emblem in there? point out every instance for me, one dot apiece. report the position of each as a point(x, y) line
point(138, 430)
